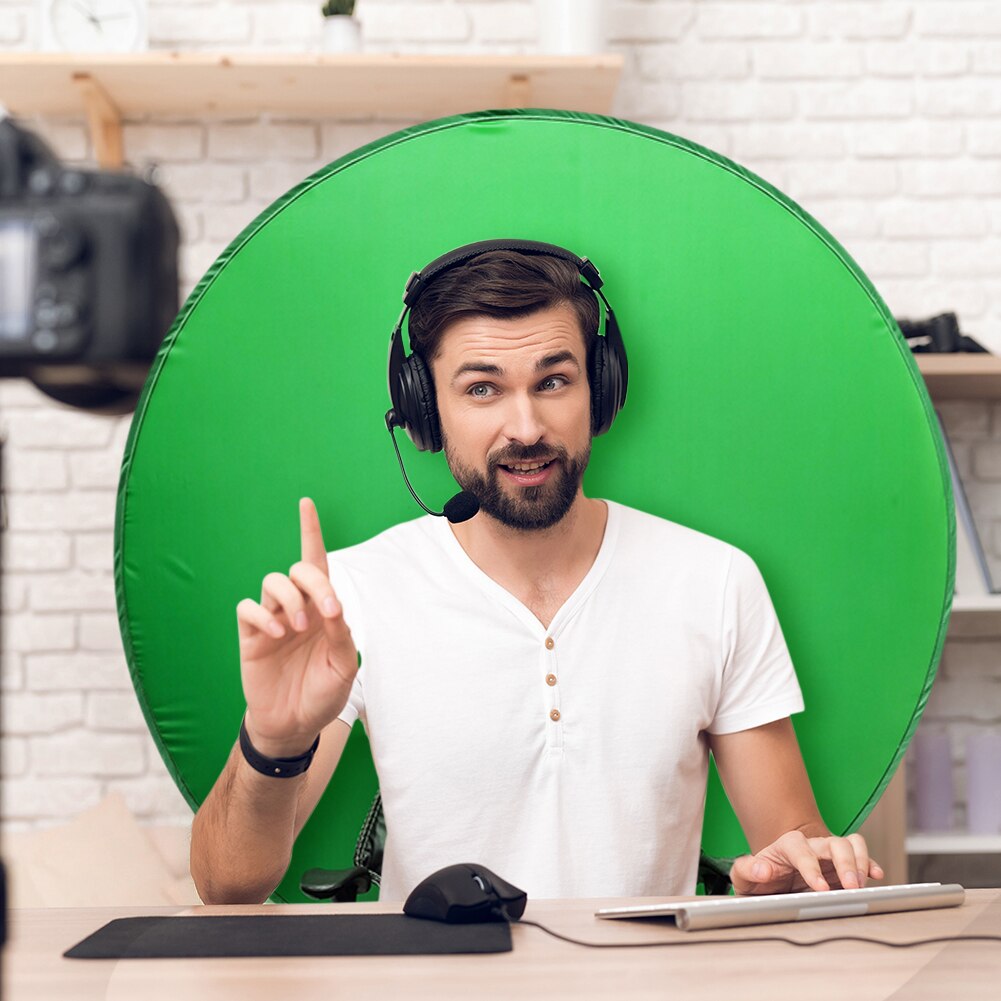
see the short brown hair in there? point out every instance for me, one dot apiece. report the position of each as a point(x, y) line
point(503, 284)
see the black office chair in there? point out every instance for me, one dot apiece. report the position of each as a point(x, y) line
point(345, 885)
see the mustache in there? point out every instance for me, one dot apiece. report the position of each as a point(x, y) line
point(528, 453)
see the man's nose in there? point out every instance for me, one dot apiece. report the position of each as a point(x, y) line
point(523, 420)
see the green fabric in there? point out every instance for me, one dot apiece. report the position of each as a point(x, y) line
point(772, 403)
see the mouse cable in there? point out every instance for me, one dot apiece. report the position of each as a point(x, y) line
point(502, 912)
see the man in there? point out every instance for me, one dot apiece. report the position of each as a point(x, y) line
point(541, 684)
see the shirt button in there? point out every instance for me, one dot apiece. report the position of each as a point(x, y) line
point(550, 642)
point(550, 680)
point(554, 715)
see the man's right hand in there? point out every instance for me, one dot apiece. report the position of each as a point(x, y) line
point(297, 657)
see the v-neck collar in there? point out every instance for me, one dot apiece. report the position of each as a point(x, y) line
point(440, 530)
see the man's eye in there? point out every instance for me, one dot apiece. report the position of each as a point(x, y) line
point(553, 382)
point(481, 390)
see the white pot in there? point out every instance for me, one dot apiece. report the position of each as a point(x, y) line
point(570, 27)
point(341, 33)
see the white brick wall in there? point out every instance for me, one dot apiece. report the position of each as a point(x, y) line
point(883, 118)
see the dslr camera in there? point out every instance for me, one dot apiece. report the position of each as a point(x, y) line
point(88, 275)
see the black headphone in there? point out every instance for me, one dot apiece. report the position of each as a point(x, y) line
point(411, 388)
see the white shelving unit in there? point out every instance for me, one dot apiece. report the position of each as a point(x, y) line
point(975, 617)
point(953, 843)
point(963, 377)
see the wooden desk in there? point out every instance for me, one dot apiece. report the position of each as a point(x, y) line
point(539, 966)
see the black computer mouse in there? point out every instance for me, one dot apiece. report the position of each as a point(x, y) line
point(464, 893)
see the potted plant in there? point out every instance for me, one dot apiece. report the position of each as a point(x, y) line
point(341, 31)
point(570, 27)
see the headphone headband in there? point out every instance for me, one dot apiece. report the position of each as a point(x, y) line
point(419, 280)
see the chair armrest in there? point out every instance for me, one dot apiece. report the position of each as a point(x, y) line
point(714, 874)
point(342, 885)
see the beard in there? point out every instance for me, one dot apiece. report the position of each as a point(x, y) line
point(528, 509)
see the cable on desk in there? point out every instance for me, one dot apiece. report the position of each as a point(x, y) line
point(759, 938)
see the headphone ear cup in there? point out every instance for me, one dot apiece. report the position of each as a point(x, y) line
point(599, 393)
point(609, 372)
point(420, 408)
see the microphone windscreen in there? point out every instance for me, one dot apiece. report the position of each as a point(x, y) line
point(461, 507)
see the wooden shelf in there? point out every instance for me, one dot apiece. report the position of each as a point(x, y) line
point(961, 376)
point(385, 85)
point(953, 844)
point(398, 87)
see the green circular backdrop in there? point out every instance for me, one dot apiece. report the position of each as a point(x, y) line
point(772, 403)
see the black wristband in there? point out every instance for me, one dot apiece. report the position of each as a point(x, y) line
point(282, 768)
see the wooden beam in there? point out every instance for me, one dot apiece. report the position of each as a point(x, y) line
point(105, 121)
point(519, 91)
point(885, 829)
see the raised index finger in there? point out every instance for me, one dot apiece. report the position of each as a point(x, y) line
point(313, 549)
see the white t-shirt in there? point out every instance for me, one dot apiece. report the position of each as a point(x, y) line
point(572, 760)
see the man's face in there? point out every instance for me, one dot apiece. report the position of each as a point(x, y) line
point(515, 411)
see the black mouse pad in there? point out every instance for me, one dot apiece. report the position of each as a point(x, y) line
point(287, 935)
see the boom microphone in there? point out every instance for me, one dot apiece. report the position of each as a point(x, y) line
point(457, 509)
point(461, 507)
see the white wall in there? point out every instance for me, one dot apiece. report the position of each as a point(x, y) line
point(883, 119)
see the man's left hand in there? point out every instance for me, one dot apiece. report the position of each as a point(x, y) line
point(795, 862)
